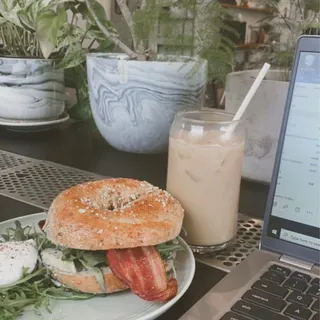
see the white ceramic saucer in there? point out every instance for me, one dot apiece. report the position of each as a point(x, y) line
point(33, 125)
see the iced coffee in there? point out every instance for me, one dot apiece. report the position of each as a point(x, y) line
point(204, 174)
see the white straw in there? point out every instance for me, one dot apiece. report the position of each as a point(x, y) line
point(249, 96)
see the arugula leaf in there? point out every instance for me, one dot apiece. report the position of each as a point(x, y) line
point(168, 249)
point(97, 273)
point(20, 233)
point(37, 288)
point(84, 259)
point(34, 290)
point(94, 258)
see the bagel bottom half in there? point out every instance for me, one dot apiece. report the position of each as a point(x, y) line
point(86, 281)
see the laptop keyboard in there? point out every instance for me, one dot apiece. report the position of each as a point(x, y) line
point(280, 294)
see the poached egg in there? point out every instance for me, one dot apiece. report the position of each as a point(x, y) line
point(15, 256)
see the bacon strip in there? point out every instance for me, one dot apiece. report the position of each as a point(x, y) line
point(143, 271)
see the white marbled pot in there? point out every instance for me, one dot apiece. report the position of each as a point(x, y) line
point(30, 89)
point(134, 102)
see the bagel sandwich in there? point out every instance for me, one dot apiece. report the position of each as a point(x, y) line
point(112, 235)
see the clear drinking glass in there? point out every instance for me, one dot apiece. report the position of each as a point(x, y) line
point(204, 174)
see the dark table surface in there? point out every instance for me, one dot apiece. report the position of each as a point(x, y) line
point(75, 145)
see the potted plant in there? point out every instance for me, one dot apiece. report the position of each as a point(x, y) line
point(135, 94)
point(40, 40)
point(264, 114)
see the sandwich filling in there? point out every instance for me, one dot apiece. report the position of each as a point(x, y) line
point(148, 271)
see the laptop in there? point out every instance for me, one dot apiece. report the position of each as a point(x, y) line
point(280, 281)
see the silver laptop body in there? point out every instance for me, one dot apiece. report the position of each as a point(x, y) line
point(281, 280)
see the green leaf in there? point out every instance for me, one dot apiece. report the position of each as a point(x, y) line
point(81, 111)
point(57, 2)
point(9, 12)
point(47, 27)
point(26, 20)
point(105, 46)
point(169, 248)
point(8, 5)
point(74, 56)
point(2, 21)
point(100, 13)
point(25, 3)
point(11, 4)
point(89, 258)
point(37, 288)
point(34, 290)
point(69, 35)
point(94, 258)
point(28, 15)
point(97, 273)
point(26, 278)
point(98, 9)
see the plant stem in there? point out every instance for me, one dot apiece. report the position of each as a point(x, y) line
point(84, 37)
point(14, 45)
point(4, 41)
point(299, 6)
point(72, 19)
point(20, 35)
point(91, 43)
point(31, 44)
point(153, 35)
point(128, 19)
point(110, 36)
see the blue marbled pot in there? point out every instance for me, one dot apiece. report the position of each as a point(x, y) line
point(31, 89)
point(134, 102)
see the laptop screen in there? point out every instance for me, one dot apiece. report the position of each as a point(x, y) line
point(295, 215)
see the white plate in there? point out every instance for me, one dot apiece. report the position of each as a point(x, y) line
point(33, 125)
point(118, 306)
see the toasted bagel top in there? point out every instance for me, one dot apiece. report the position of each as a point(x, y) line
point(113, 214)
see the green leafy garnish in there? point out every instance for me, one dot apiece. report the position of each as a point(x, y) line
point(168, 249)
point(90, 258)
point(36, 290)
point(20, 233)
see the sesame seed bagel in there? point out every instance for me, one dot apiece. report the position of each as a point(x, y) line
point(113, 214)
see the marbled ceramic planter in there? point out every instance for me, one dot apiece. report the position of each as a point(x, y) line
point(30, 89)
point(134, 102)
